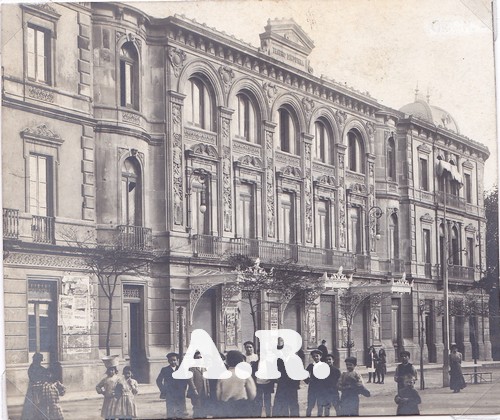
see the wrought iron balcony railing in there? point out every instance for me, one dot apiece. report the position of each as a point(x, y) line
point(392, 266)
point(43, 229)
point(207, 246)
point(135, 237)
point(459, 272)
point(10, 223)
point(452, 201)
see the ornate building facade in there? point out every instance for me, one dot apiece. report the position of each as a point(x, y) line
point(168, 133)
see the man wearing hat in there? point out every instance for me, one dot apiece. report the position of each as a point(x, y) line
point(172, 390)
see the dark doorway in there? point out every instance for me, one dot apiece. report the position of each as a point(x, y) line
point(430, 332)
point(133, 332)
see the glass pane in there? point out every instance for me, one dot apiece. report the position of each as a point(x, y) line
point(32, 332)
point(40, 52)
point(128, 83)
point(251, 123)
point(196, 103)
point(31, 53)
point(207, 110)
point(124, 200)
point(131, 206)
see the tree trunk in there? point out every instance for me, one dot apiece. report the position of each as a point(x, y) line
point(110, 320)
point(349, 340)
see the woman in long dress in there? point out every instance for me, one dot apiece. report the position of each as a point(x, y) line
point(457, 381)
point(37, 375)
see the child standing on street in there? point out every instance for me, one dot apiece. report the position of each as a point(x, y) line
point(351, 385)
point(316, 390)
point(331, 386)
point(407, 398)
point(125, 392)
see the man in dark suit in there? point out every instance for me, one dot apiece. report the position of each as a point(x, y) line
point(173, 390)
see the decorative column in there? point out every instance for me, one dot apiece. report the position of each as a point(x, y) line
point(308, 188)
point(226, 189)
point(270, 227)
point(341, 200)
point(175, 163)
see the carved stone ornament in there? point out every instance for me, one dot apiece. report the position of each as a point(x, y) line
point(470, 228)
point(270, 201)
point(427, 218)
point(251, 161)
point(370, 129)
point(292, 172)
point(308, 105)
point(328, 180)
point(270, 91)
point(42, 132)
point(227, 189)
point(337, 280)
point(358, 188)
point(40, 94)
point(205, 150)
point(341, 117)
point(130, 117)
point(227, 75)
point(177, 58)
point(423, 148)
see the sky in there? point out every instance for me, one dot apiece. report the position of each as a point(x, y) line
point(385, 47)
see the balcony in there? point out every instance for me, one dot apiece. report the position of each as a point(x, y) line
point(394, 266)
point(207, 246)
point(362, 262)
point(10, 224)
point(215, 247)
point(452, 201)
point(458, 272)
point(136, 238)
point(43, 229)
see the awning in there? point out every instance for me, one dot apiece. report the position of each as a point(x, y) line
point(447, 167)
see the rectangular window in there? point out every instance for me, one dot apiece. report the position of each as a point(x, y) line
point(356, 230)
point(323, 225)
point(424, 175)
point(38, 54)
point(427, 245)
point(470, 252)
point(40, 185)
point(468, 188)
point(287, 216)
point(247, 212)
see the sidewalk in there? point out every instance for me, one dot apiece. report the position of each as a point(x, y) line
point(436, 399)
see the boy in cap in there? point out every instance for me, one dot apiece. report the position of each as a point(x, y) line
point(407, 398)
point(331, 386)
point(351, 385)
point(316, 391)
point(172, 390)
point(403, 369)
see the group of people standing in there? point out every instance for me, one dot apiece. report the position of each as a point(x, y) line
point(236, 397)
point(377, 365)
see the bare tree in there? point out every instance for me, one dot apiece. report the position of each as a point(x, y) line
point(350, 301)
point(285, 279)
point(108, 262)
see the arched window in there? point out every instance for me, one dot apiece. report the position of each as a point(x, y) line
point(394, 237)
point(129, 76)
point(287, 129)
point(356, 151)
point(131, 192)
point(391, 159)
point(246, 119)
point(322, 142)
point(199, 109)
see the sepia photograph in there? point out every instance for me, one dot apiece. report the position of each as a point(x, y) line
point(249, 208)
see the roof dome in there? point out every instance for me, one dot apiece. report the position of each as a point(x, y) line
point(438, 116)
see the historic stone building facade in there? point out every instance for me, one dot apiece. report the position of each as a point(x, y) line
point(171, 134)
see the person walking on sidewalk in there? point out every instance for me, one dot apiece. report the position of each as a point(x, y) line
point(404, 368)
point(51, 390)
point(37, 375)
point(407, 398)
point(381, 368)
point(457, 381)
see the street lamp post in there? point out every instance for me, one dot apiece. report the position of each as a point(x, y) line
point(421, 331)
point(444, 265)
